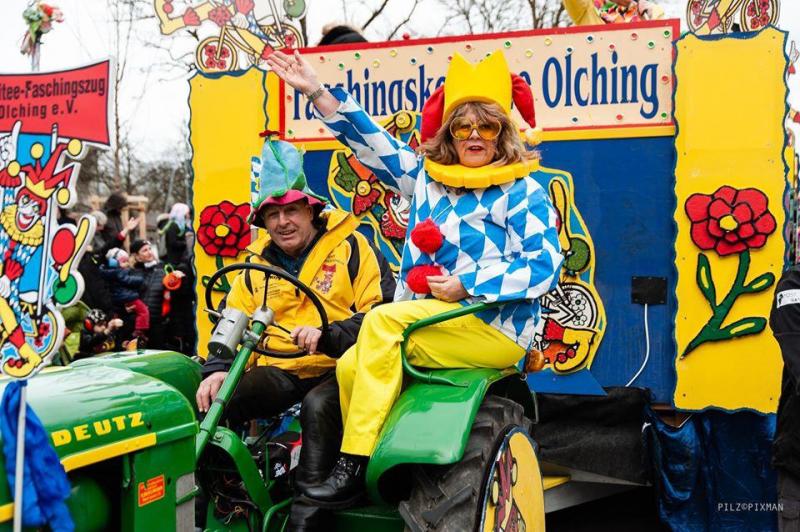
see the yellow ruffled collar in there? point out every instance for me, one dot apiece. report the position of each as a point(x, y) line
point(32, 237)
point(457, 176)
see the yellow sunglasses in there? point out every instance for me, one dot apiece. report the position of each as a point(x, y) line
point(462, 129)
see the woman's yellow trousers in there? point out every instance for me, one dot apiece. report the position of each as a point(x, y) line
point(370, 373)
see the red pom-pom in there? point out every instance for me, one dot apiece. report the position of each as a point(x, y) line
point(427, 237)
point(417, 278)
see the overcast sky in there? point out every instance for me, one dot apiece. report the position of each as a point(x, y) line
point(156, 103)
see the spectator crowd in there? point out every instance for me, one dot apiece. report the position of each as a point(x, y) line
point(138, 293)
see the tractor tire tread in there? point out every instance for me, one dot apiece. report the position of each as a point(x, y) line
point(439, 501)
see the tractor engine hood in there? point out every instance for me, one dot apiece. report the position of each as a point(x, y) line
point(105, 407)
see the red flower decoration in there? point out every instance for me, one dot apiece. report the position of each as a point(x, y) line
point(220, 15)
point(224, 230)
point(730, 220)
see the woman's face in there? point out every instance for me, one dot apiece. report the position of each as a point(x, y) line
point(474, 151)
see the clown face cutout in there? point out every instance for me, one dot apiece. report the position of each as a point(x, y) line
point(30, 209)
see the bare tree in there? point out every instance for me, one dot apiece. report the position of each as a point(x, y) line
point(488, 16)
point(352, 12)
point(375, 14)
point(404, 21)
point(121, 12)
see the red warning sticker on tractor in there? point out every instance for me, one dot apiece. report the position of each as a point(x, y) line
point(151, 491)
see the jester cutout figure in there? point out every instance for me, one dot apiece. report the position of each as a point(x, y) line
point(36, 255)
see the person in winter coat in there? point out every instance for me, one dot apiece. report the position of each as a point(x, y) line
point(97, 334)
point(784, 321)
point(114, 232)
point(336, 33)
point(125, 284)
point(481, 229)
point(153, 290)
point(174, 232)
point(96, 294)
point(326, 252)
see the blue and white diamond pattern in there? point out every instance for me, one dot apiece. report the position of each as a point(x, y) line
point(501, 241)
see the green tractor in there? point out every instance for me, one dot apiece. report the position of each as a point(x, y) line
point(455, 453)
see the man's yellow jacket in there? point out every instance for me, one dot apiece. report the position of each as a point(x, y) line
point(343, 269)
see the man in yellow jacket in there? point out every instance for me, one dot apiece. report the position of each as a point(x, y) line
point(324, 251)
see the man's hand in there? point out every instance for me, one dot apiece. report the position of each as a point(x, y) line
point(114, 324)
point(306, 337)
point(447, 288)
point(209, 389)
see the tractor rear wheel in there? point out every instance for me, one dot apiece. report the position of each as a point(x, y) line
point(497, 484)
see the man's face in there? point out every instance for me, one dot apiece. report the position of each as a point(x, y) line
point(145, 254)
point(290, 226)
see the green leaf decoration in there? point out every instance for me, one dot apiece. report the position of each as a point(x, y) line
point(346, 177)
point(743, 327)
point(759, 284)
point(579, 255)
point(300, 182)
point(705, 281)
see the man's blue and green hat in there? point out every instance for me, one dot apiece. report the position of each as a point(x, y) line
point(277, 178)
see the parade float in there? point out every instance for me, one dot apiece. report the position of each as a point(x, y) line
point(667, 160)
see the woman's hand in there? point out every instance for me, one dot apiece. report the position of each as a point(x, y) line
point(447, 288)
point(294, 70)
point(130, 225)
point(299, 74)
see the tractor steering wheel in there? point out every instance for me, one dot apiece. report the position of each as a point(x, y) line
point(270, 272)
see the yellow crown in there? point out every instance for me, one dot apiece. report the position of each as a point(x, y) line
point(487, 81)
point(39, 188)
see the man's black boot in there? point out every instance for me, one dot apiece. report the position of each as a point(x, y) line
point(305, 517)
point(344, 486)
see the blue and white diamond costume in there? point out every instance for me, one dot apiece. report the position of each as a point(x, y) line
point(501, 241)
point(499, 238)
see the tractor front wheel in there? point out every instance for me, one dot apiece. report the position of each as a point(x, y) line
point(496, 486)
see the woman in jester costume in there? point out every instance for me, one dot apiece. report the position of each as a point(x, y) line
point(481, 229)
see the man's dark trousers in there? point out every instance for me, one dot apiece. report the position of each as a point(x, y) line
point(266, 391)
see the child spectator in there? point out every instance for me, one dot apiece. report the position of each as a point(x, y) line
point(125, 285)
point(97, 334)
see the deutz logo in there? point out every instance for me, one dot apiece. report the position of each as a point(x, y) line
point(101, 427)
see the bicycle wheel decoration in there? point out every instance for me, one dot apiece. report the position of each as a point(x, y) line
point(213, 55)
point(706, 17)
point(237, 33)
point(756, 14)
